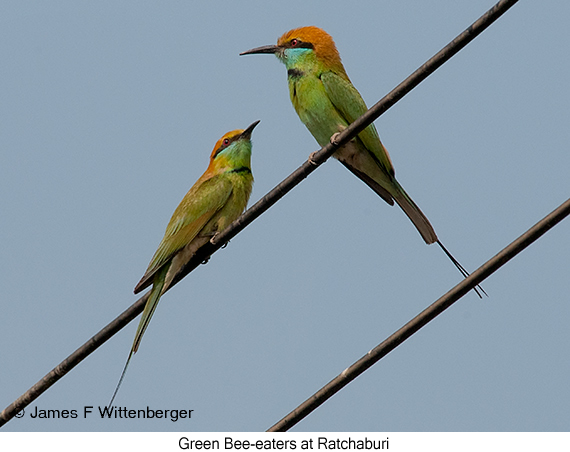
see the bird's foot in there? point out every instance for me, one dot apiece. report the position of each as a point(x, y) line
point(213, 237)
point(334, 138)
point(311, 159)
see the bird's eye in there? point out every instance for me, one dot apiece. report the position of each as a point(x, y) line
point(294, 42)
point(226, 142)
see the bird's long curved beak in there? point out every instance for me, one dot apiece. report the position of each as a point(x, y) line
point(262, 49)
point(246, 134)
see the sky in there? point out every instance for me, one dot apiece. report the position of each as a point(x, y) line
point(108, 114)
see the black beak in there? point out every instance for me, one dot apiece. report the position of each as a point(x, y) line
point(246, 134)
point(262, 49)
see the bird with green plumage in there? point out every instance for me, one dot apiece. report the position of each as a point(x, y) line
point(327, 102)
point(217, 198)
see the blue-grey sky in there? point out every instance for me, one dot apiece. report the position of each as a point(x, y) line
point(108, 113)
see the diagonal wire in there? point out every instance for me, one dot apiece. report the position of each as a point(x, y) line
point(422, 319)
point(262, 205)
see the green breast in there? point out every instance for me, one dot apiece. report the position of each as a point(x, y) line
point(314, 108)
point(242, 183)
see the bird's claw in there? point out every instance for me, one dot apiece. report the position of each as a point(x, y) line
point(213, 237)
point(334, 139)
point(311, 159)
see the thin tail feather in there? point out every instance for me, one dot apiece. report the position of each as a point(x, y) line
point(149, 309)
point(460, 267)
point(426, 230)
point(121, 379)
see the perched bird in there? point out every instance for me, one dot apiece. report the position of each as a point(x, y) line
point(217, 198)
point(327, 102)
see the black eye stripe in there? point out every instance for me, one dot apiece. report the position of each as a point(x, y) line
point(223, 145)
point(300, 44)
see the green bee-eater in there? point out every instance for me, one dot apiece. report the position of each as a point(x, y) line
point(217, 198)
point(327, 102)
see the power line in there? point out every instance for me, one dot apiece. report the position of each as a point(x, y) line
point(422, 319)
point(263, 204)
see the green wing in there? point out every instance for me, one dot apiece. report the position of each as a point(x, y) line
point(195, 210)
point(348, 101)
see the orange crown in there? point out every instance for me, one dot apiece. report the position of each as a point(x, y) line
point(323, 45)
